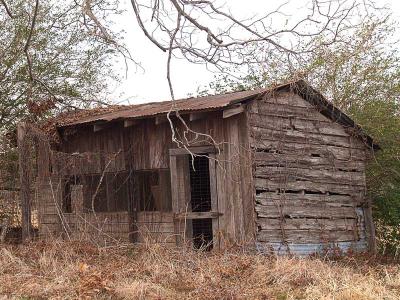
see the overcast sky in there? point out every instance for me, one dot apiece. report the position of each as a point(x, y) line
point(150, 84)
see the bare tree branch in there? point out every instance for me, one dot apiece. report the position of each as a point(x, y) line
point(201, 32)
point(3, 2)
point(142, 26)
point(28, 40)
point(104, 33)
point(86, 7)
point(213, 35)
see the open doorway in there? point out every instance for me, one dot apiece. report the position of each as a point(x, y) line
point(194, 196)
point(200, 195)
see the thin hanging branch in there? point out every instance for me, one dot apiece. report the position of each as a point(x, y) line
point(8, 11)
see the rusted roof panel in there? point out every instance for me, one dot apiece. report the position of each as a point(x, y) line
point(120, 112)
point(156, 108)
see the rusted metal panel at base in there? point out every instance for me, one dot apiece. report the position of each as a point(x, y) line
point(310, 249)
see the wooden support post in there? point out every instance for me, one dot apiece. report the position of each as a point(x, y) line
point(370, 228)
point(25, 191)
point(214, 199)
point(175, 196)
point(77, 199)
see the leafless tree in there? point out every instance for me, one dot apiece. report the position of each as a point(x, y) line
point(205, 32)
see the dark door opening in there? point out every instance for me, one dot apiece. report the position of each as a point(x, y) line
point(201, 201)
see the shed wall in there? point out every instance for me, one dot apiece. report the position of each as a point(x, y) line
point(145, 146)
point(309, 178)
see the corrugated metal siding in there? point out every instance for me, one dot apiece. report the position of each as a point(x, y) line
point(360, 245)
point(310, 249)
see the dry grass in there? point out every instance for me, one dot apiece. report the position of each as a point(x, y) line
point(70, 270)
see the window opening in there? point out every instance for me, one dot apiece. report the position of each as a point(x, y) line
point(113, 192)
point(153, 190)
point(116, 191)
point(67, 192)
point(94, 192)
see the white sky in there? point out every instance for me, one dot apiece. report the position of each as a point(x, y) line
point(151, 85)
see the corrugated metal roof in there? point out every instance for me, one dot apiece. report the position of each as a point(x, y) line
point(156, 108)
point(120, 112)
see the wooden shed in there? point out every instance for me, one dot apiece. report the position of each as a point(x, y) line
point(279, 169)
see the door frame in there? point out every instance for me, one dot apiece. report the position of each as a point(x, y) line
point(180, 208)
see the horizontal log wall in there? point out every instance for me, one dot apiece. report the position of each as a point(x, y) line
point(309, 177)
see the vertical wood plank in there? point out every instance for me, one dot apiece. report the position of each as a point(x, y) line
point(247, 183)
point(370, 229)
point(77, 198)
point(43, 166)
point(234, 179)
point(214, 199)
point(185, 203)
point(222, 198)
point(175, 195)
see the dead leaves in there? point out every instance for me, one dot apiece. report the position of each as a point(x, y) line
point(69, 270)
point(91, 282)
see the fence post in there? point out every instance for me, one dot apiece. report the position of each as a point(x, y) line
point(25, 190)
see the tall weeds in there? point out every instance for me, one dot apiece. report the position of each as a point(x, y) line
point(70, 270)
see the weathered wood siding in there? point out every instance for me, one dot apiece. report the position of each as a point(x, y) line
point(142, 146)
point(110, 226)
point(234, 183)
point(309, 178)
point(48, 199)
point(155, 227)
point(145, 146)
point(10, 210)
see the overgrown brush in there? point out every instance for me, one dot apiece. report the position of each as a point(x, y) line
point(70, 270)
